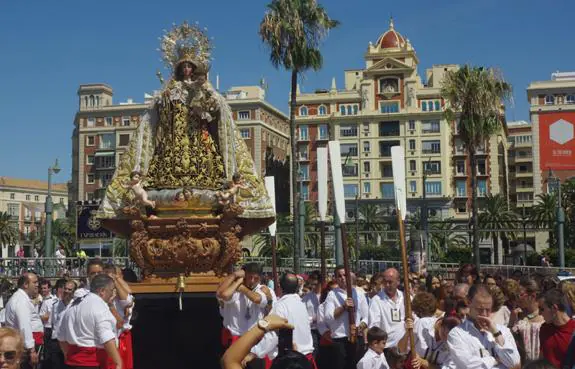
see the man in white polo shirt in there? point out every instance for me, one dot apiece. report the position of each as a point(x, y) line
point(480, 343)
point(387, 309)
point(290, 307)
point(87, 332)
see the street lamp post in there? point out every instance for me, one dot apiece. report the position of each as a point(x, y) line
point(48, 251)
point(424, 215)
point(524, 236)
point(560, 219)
point(301, 234)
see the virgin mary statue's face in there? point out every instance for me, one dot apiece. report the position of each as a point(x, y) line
point(187, 70)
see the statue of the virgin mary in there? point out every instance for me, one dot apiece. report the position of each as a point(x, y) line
point(186, 157)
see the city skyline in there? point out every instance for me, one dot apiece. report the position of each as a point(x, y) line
point(49, 60)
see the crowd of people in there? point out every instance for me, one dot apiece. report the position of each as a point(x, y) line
point(73, 324)
point(474, 321)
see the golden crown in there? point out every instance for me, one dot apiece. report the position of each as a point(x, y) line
point(186, 43)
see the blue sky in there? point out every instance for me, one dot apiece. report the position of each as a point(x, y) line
point(48, 48)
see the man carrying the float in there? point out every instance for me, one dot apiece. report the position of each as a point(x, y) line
point(87, 333)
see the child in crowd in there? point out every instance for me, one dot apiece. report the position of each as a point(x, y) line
point(374, 358)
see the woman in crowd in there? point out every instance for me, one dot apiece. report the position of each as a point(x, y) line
point(526, 330)
point(11, 348)
point(424, 306)
point(568, 289)
point(501, 313)
point(467, 273)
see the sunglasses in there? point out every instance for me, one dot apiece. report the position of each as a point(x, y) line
point(8, 355)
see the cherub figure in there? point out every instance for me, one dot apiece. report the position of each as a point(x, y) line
point(230, 190)
point(180, 199)
point(135, 184)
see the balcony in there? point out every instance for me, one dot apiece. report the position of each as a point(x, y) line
point(433, 150)
point(461, 193)
point(303, 156)
point(323, 137)
point(349, 170)
point(522, 158)
point(524, 174)
point(303, 137)
point(526, 188)
point(460, 151)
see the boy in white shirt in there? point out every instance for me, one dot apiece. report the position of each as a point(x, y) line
point(374, 358)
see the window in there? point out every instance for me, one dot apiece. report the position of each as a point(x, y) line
point(411, 125)
point(413, 186)
point(244, 115)
point(431, 105)
point(105, 179)
point(27, 197)
point(14, 210)
point(482, 187)
point(303, 152)
point(90, 160)
point(349, 190)
point(386, 170)
point(323, 133)
point(124, 140)
point(387, 191)
point(303, 111)
point(125, 121)
point(431, 147)
point(412, 165)
point(61, 200)
point(304, 172)
point(303, 133)
point(366, 187)
point(12, 196)
point(570, 99)
point(430, 126)
point(107, 141)
point(385, 148)
point(27, 214)
point(349, 109)
point(90, 140)
point(342, 109)
point(349, 170)
point(89, 196)
point(105, 162)
point(245, 133)
point(322, 110)
point(366, 166)
point(389, 107)
point(433, 188)
point(109, 121)
point(437, 105)
point(366, 127)
point(349, 130)
point(36, 198)
point(90, 179)
point(388, 85)
point(460, 166)
point(390, 128)
point(461, 208)
point(424, 105)
point(348, 149)
point(412, 144)
point(461, 188)
point(305, 191)
point(432, 167)
point(549, 100)
point(481, 169)
point(37, 215)
point(366, 146)
point(524, 196)
point(90, 122)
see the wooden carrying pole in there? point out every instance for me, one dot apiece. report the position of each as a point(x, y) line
point(322, 240)
point(398, 167)
point(270, 187)
point(337, 180)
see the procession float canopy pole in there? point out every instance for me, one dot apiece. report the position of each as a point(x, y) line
point(398, 167)
point(270, 187)
point(337, 180)
point(322, 174)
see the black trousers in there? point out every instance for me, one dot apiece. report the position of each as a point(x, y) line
point(315, 336)
point(343, 354)
point(54, 357)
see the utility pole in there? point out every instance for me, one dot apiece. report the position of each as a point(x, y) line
point(424, 215)
point(560, 219)
point(524, 236)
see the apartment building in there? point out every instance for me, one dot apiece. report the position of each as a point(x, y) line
point(24, 200)
point(384, 104)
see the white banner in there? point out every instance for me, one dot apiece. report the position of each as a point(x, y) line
point(337, 179)
point(270, 187)
point(398, 166)
point(322, 190)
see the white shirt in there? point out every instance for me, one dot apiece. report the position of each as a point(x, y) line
point(289, 307)
point(124, 309)
point(340, 327)
point(87, 323)
point(311, 301)
point(439, 355)
point(372, 360)
point(424, 330)
point(57, 312)
point(240, 313)
point(46, 309)
point(81, 292)
point(22, 315)
point(388, 315)
point(321, 324)
point(471, 348)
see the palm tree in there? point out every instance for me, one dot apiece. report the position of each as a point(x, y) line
point(444, 235)
point(64, 233)
point(8, 233)
point(497, 217)
point(475, 95)
point(544, 212)
point(293, 31)
point(371, 220)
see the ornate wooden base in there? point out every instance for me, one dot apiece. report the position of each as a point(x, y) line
point(195, 283)
point(170, 247)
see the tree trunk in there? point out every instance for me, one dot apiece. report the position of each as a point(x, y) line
point(474, 217)
point(294, 171)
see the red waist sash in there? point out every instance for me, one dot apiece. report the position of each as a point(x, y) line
point(38, 337)
point(82, 356)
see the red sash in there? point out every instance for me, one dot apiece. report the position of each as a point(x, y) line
point(227, 338)
point(310, 358)
point(82, 356)
point(38, 338)
point(125, 348)
point(104, 362)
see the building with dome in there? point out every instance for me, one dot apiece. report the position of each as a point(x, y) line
point(388, 103)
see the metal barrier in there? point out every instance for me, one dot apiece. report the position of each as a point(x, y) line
point(55, 267)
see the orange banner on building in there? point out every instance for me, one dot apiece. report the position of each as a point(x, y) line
point(557, 140)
